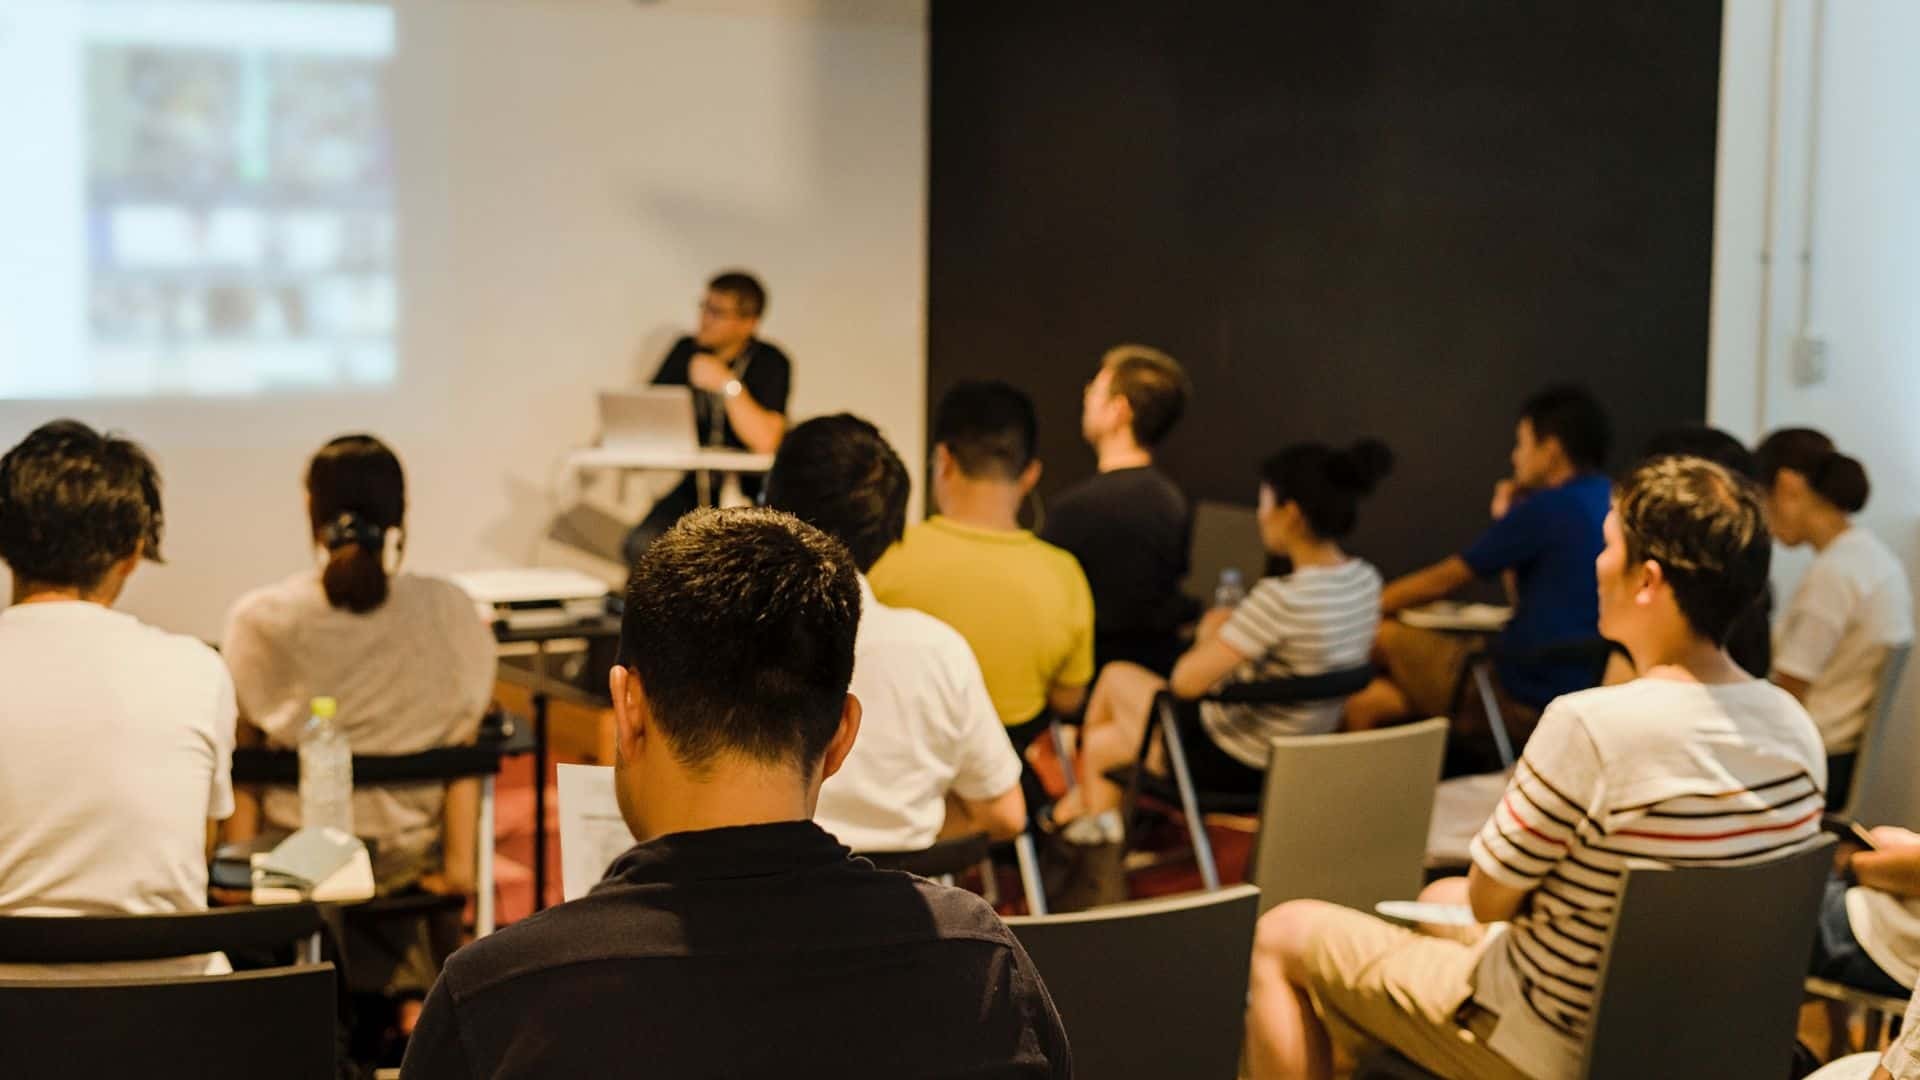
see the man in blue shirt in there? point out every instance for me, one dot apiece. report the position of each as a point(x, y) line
point(1545, 536)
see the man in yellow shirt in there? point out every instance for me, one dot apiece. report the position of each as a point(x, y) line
point(1021, 603)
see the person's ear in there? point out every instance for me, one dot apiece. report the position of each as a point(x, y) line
point(1652, 579)
point(842, 742)
point(629, 712)
point(1791, 483)
point(1030, 476)
point(942, 460)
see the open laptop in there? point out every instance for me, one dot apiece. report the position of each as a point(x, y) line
point(653, 418)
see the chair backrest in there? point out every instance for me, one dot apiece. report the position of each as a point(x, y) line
point(1883, 740)
point(946, 857)
point(1702, 973)
point(1153, 988)
point(1344, 817)
point(62, 939)
point(1224, 534)
point(278, 1022)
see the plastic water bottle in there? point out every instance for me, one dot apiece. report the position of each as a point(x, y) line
point(1231, 590)
point(326, 771)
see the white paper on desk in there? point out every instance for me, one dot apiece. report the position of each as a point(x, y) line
point(592, 832)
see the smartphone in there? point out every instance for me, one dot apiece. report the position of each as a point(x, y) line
point(1848, 830)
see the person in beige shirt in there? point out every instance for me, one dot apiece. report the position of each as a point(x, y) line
point(409, 662)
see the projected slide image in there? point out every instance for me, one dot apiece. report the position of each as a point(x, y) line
point(235, 216)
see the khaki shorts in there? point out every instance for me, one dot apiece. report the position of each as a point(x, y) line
point(1374, 983)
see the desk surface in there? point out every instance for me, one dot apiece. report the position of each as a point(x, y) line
point(721, 461)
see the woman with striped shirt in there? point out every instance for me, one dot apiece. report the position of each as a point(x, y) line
point(1319, 618)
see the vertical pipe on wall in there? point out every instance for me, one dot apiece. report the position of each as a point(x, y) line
point(1812, 151)
point(1764, 338)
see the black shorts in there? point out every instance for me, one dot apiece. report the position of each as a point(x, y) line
point(1214, 769)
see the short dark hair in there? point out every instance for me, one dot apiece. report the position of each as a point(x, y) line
point(74, 502)
point(745, 289)
point(1154, 385)
point(1701, 441)
point(988, 426)
point(1327, 484)
point(1704, 527)
point(1571, 415)
point(740, 625)
point(1832, 475)
point(837, 474)
point(356, 493)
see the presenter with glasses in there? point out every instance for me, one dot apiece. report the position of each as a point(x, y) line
point(740, 385)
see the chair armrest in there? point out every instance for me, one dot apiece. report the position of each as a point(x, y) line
point(1298, 690)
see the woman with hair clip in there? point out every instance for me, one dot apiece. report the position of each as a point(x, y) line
point(1319, 617)
point(411, 666)
point(1852, 605)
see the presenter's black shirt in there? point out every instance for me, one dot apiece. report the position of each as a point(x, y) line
point(765, 374)
point(1131, 530)
point(763, 950)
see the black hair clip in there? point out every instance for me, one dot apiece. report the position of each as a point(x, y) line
point(353, 529)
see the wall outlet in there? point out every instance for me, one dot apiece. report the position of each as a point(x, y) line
point(1809, 360)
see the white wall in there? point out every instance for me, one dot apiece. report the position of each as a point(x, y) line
point(1863, 264)
point(569, 174)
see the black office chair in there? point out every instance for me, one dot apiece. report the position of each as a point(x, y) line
point(1179, 788)
point(278, 1022)
point(79, 939)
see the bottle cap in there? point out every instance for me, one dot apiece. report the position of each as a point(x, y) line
point(324, 707)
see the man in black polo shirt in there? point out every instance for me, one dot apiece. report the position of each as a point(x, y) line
point(738, 938)
point(741, 385)
point(1129, 524)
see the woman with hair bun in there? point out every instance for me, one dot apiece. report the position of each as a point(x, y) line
point(1319, 617)
point(1852, 605)
point(411, 667)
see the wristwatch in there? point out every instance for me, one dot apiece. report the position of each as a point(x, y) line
point(732, 389)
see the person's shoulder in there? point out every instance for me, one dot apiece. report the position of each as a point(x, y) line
point(569, 933)
point(181, 655)
point(767, 351)
point(916, 632)
point(276, 601)
point(1059, 561)
point(428, 591)
point(958, 914)
point(1586, 494)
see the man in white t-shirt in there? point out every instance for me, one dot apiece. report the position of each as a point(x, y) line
point(933, 759)
point(1695, 761)
point(117, 736)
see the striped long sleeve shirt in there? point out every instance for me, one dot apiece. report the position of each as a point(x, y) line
point(1659, 769)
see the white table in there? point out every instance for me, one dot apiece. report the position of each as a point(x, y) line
point(700, 462)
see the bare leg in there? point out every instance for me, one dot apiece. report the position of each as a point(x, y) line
point(1116, 718)
point(1285, 1038)
point(1380, 704)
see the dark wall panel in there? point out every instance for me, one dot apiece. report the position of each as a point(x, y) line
point(1393, 217)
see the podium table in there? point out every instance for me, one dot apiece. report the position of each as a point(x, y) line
point(702, 462)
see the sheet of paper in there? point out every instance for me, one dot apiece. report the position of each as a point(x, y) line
point(592, 832)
